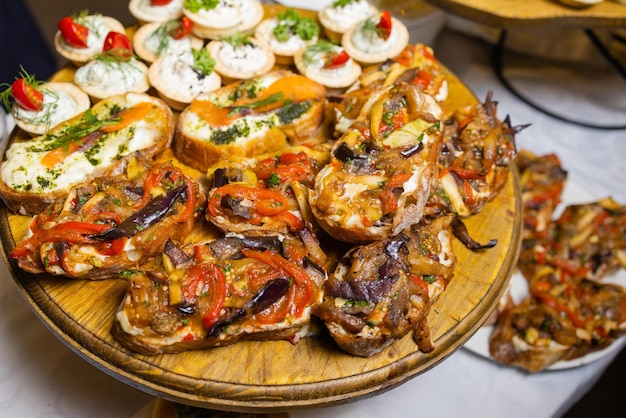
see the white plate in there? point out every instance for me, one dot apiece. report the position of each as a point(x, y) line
point(479, 343)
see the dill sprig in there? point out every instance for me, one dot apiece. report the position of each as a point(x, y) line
point(272, 98)
point(239, 39)
point(6, 96)
point(322, 47)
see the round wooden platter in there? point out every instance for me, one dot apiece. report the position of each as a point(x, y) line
point(507, 13)
point(276, 375)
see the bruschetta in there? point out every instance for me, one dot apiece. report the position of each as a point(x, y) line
point(112, 223)
point(267, 193)
point(378, 180)
point(37, 172)
point(222, 291)
point(254, 116)
point(381, 291)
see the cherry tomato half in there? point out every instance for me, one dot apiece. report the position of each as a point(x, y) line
point(73, 33)
point(118, 44)
point(26, 95)
point(160, 2)
point(384, 24)
point(181, 28)
point(337, 60)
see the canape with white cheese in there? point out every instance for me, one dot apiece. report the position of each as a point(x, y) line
point(327, 64)
point(105, 76)
point(240, 57)
point(97, 27)
point(338, 16)
point(287, 33)
point(155, 10)
point(155, 39)
point(376, 39)
point(180, 77)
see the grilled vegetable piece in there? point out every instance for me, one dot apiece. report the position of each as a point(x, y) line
point(378, 179)
point(112, 223)
point(267, 193)
point(216, 293)
point(381, 291)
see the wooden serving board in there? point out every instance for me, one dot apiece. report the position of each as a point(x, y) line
point(518, 13)
point(276, 375)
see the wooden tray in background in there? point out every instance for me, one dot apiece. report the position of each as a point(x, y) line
point(520, 13)
point(276, 375)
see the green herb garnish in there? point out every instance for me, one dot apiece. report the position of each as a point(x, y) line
point(203, 62)
point(291, 23)
point(273, 98)
point(342, 3)
point(239, 39)
point(194, 6)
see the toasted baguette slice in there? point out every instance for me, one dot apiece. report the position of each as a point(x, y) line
point(378, 179)
point(37, 172)
point(222, 291)
point(250, 117)
point(244, 189)
point(112, 223)
point(381, 291)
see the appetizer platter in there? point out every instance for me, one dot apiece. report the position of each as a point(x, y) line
point(200, 270)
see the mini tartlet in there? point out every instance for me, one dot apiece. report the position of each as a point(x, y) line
point(114, 71)
point(98, 27)
point(147, 11)
point(375, 39)
point(61, 101)
point(224, 18)
point(286, 34)
point(327, 64)
point(338, 16)
point(179, 77)
point(155, 39)
point(240, 57)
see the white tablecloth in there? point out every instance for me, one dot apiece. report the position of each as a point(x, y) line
point(41, 377)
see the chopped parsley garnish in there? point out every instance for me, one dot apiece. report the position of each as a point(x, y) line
point(203, 62)
point(291, 23)
point(195, 6)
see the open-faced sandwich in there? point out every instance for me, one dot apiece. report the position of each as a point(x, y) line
point(179, 77)
point(114, 71)
point(378, 180)
point(240, 56)
point(112, 223)
point(250, 117)
point(267, 193)
point(219, 292)
point(147, 11)
point(159, 38)
point(35, 173)
point(287, 33)
point(80, 37)
point(37, 106)
point(381, 291)
point(416, 64)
